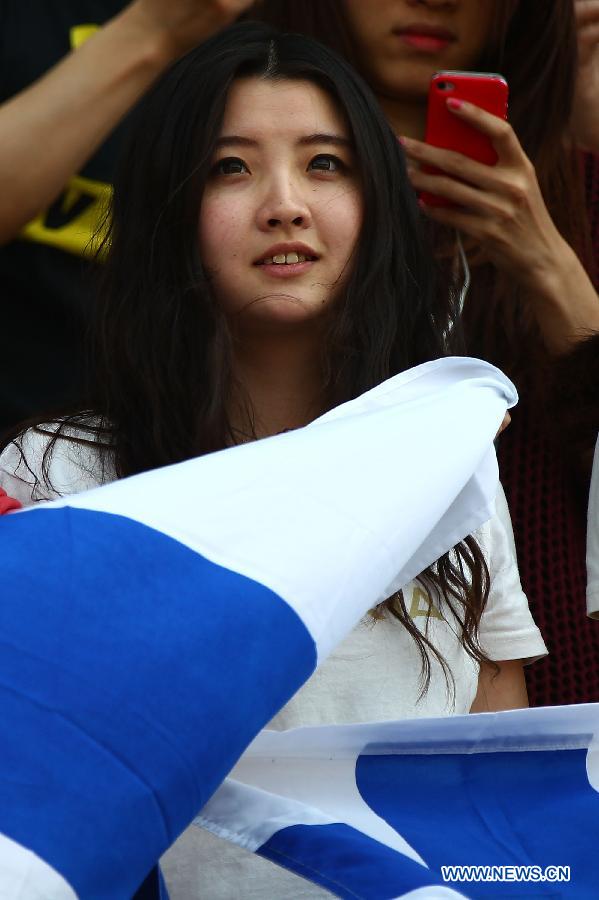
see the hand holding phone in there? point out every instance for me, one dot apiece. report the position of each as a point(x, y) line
point(499, 209)
point(487, 90)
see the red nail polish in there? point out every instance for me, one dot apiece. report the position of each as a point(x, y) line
point(454, 103)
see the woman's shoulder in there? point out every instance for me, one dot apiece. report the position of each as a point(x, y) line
point(55, 459)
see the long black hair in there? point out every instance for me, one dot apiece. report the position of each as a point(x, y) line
point(163, 353)
point(161, 330)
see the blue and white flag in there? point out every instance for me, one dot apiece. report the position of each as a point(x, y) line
point(489, 805)
point(151, 627)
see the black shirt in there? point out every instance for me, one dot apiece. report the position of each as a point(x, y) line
point(46, 274)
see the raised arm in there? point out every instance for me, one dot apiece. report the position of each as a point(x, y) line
point(49, 130)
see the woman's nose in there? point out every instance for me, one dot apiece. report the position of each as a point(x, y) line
point(284, 207)
point(273, 221)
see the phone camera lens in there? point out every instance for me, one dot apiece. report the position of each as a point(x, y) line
point(445, 85)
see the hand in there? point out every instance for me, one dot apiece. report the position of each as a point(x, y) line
point(585, 112)
point(499, 207)
point(183, 24)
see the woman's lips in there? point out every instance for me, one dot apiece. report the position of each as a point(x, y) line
point(425, 42)
point(286, 270)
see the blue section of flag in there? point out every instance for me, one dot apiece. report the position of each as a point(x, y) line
point(120, 650)
point(346, 862)
point(492, 808)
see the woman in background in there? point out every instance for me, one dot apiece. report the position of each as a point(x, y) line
point(532, 308)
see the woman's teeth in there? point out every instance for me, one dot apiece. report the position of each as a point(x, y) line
point(285, 258)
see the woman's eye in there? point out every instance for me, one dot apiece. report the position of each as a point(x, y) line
point(231, 166)
point(325, 163)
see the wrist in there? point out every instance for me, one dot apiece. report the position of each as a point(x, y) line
point(565, 302)
point(166, 31)
point(551, 277)
point(149, 41)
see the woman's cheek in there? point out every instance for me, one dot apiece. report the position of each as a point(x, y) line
point(219, 232)
point(346, 224)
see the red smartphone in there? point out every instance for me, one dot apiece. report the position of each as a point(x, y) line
point(443, 129)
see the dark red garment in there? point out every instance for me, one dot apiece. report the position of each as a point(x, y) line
point(547, 491)
point(548, 506)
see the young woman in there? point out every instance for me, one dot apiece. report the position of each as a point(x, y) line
point(532, 308)
point(265, 262)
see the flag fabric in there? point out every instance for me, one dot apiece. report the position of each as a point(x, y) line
point(488, 805)
point(151, 627)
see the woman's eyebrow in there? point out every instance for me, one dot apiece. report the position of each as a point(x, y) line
point(230, 140)
point(320, 138)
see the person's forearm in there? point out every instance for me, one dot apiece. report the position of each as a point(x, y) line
point(500, 686)
point(51, 129)
point(567, 305)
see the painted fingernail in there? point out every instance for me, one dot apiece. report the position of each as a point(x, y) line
point(454, 103)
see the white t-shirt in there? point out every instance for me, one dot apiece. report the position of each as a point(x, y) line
point(374, 675)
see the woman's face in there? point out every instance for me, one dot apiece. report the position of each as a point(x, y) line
point(401, 43)
point(282, 209)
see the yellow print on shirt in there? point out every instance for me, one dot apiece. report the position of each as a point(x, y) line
point(71, 222)
point(73, 219)
point(79, 34)
point(422, 605)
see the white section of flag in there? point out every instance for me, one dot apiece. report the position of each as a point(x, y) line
point(382, 486)
point(24, 876)
point(310, 772)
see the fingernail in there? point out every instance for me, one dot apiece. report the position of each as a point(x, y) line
point(454, 103)
point(402, 140)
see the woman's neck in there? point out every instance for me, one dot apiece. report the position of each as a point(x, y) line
point(281, 378)
point(406, 117)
